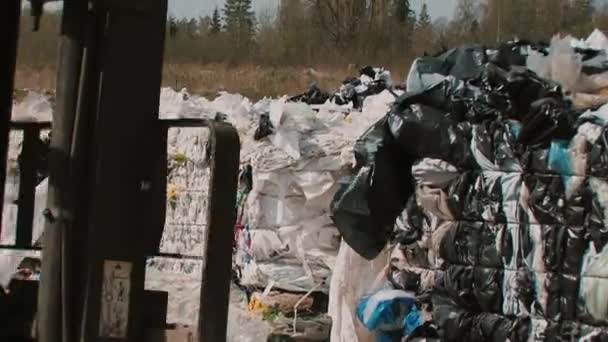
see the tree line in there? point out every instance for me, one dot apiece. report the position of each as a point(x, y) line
point(341, 32)
point(362, 31)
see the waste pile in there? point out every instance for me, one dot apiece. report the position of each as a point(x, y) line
point(473, 207)
point(286, 242)
point(479, 205)
point(353, 91)
point(293, 152)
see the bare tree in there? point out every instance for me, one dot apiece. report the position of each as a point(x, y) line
point(467, 17)
point(340, 19)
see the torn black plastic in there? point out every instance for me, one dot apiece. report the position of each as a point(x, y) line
point(365, 209)
point(265, 127)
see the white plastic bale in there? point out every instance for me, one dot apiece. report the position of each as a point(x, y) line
point(284, 198)
point(301, 241)
point(188, 190)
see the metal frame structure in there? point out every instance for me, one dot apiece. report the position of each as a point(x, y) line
point(107, 175)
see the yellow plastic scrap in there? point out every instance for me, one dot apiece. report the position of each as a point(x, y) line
point(256, 306)
point(180, 158)
point(171, 193)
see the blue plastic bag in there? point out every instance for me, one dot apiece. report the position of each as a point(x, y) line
point(559, 159)
point(389, 310)
point(412, 321)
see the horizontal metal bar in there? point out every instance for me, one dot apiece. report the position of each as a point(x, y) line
point(177, 256)
point(185, 123)
point(17, 125)
point(27, 187)
point(16, 248)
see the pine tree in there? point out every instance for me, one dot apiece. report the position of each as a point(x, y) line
point(239, 21)
point(402, 12)
point(404, 19)
point(423, 32)
point(172, 27)
point(424, 19)
point(216, 22)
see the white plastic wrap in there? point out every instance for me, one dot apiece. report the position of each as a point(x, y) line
point(34, 107)
point(182, 104)
point(597, 40)
point(352, 277)
point(564, 66)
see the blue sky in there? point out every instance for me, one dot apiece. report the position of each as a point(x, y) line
point(195, 8)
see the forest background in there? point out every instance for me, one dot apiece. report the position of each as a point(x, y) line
point(302, 41)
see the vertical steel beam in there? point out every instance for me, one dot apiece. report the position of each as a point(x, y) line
point(128, 147)
point(10, 12)
point(217, 265)
point(52, 325)
point(224, 151)
point(27, 186)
